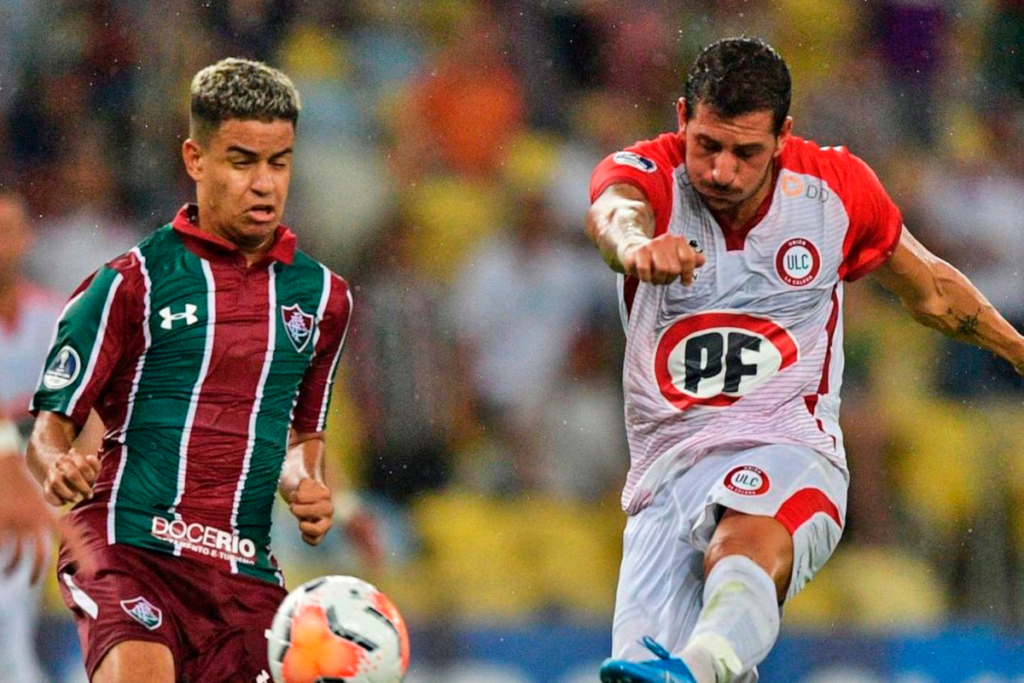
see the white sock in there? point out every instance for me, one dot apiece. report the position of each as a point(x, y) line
point(738, 625)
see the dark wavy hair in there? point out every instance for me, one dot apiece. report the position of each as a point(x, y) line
point(738, 76)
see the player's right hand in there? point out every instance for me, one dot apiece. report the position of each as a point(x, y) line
point(70, 478)
point(663, 260)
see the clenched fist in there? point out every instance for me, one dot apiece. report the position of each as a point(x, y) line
point(70, 478)
point(311, 505)
point(664, 259)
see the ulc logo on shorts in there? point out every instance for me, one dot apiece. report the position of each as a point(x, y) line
point(747, 480)
point(143, 611)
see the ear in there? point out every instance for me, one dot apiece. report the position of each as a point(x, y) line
point(681, 113)
point(192, 154)
point(784, 135)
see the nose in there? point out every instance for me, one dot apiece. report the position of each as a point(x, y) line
point(723, 170)
point(262, 180)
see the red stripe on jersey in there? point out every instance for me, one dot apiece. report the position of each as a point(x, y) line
point(826, 366)
point(220, 428)
point(803, 505)
point(313, 392)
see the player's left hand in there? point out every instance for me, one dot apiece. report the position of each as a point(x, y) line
point(311, 505)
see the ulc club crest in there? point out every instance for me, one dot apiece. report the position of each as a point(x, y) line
point(298, 325)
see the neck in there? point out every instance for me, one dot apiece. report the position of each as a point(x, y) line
point(251, 250)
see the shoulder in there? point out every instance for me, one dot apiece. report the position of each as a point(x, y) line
point(843, 171)
point(665, 152)
point(334, 286)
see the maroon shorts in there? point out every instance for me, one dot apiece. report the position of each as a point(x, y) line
point(212, 621)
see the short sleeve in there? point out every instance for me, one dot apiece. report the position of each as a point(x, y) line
point(875, 221)
point(314, 399)
point(644, 166)
point(87, 346)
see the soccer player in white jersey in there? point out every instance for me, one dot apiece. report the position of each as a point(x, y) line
point(735, 239)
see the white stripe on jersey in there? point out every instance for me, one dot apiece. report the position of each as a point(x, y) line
point(321, 423)
point(97, 343)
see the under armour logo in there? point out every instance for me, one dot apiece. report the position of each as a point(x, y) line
point(189, 316)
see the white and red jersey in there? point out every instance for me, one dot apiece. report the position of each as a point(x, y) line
point(752, 352)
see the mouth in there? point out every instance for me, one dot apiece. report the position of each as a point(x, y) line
point(261, 213)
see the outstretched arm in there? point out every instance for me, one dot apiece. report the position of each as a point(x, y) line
point(621, 223)
point(938, 295)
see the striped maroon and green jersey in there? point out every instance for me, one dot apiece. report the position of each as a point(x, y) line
point(198, 365)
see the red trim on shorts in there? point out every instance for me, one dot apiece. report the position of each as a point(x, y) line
point(803, 505)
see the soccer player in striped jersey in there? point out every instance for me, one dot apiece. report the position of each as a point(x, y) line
point(209, 351)
point(735, 239)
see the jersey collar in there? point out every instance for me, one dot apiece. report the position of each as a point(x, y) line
point(209, 246)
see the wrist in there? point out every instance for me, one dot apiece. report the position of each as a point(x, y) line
point(627, 244)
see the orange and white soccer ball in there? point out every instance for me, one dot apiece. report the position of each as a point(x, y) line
point(338, 628)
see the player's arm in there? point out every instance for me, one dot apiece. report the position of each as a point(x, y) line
point(938, 295)
point(621, 223)
point(66, 473)
point(303, 486)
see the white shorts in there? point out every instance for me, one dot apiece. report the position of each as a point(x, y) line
point(661, 581)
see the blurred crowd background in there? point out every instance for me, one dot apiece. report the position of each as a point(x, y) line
point(442, 164)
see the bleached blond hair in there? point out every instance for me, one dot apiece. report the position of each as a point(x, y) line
point(240, 89)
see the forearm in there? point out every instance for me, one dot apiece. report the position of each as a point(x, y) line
point(619, 220)
point(304, 460)
point(52, 436)
point(956, 308)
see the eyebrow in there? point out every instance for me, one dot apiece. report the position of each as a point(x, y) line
point(749, 147)
point(251, 153)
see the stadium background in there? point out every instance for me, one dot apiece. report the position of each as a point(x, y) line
point(442, 165)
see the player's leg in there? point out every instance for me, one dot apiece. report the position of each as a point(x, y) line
point(136, 661)
point(783, 512)
point(747, 571)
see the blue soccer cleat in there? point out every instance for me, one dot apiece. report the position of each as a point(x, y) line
point(664, 669)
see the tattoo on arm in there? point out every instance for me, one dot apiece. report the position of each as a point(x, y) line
point(966, 326)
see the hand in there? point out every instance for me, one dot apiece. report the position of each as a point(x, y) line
point(311, 505)
point(664, 259)
point(70, 478)
point(363, 532)
point(28, 524)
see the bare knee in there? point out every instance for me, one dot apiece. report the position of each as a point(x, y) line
point(762, 539)
point(136, 661)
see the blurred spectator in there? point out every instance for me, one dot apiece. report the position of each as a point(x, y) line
point(405, 377)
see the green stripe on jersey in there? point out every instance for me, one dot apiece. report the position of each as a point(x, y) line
point(179, 317)
point(298, 290)
point(76, 345)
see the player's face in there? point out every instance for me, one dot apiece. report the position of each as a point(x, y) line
point(729, 160)
point(242, 177)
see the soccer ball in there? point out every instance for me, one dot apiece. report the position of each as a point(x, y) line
point(337, 628)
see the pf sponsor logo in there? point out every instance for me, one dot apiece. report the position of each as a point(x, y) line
point(143, 611)
point(716, 358)
point(636, 161)
point(797, 262)
point(298, 325)
point(205, 540)
point(747, 480)
point(63, 370)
